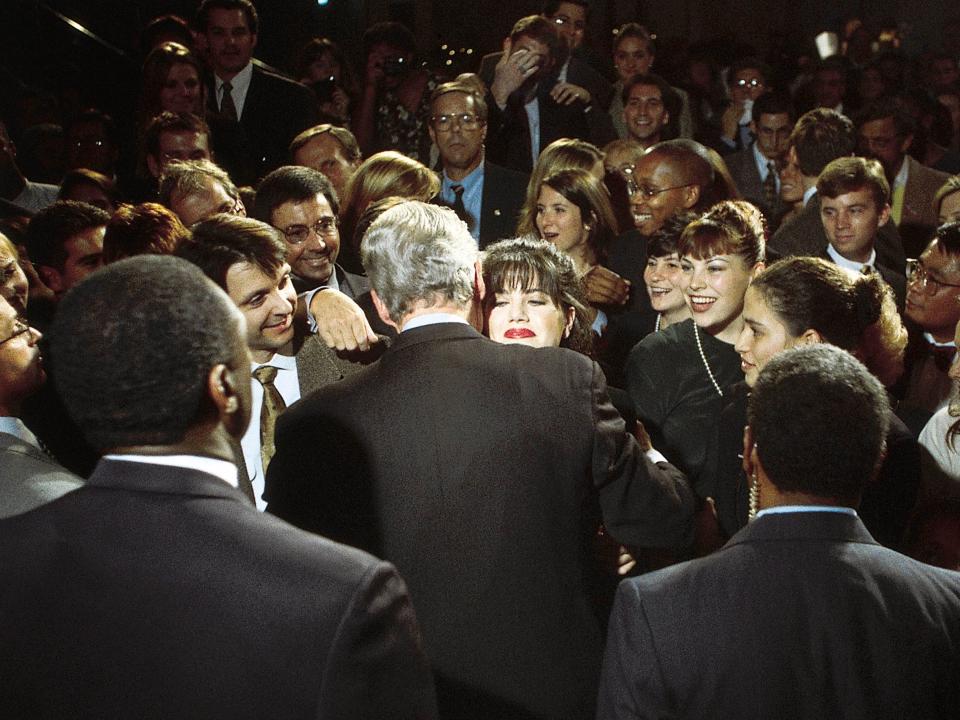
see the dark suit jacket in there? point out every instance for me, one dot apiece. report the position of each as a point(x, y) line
point(274, 112)
point(743, 167)
point(157, 592)
point(896, 280)
point(804, 235)
point(480, 470)
point(918, 218)
point(504, 192)
point(579, 72)
point(798, 616)
point(28, 478)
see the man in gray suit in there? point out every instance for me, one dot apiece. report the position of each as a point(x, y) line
point(802, 613)
point(247, 259)
point(28, 476)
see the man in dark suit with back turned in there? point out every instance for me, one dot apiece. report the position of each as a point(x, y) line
point(258, 113)
point(481, 471)
point(157, 590)
point(802, 614)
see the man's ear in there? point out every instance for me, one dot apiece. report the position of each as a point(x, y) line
point(51, 278)
point(382, 311)
point(884, 215)
point(227, 397)
point(691, 196)
point(809, 337)
point(479, 287)
point(906, 143)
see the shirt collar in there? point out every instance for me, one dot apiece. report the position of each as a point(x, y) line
point(783, 509)
point(432, 319)
point(809, 193)
point(851, 264)
point(471, 180)
point(761, 160)
point(929, 338)
point(240, 82)
point(281, 362)
point(222, 469)
point(14, 426)
point(901, 179)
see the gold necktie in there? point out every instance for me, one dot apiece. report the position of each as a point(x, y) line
point(271, 408)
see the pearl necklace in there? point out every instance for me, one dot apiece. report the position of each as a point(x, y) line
point(656, 327)
point(703, 356)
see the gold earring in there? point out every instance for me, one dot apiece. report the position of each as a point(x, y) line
point(231, 407)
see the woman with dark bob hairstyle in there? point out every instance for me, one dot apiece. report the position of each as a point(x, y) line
point(805, 300)
point(534, 296)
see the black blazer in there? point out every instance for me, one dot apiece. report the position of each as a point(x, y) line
point(800, 615)
point(480, 470)
point(157, 592)
point(275, 111)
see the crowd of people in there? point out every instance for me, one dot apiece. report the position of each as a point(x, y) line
point(558, 389)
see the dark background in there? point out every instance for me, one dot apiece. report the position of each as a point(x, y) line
point(40, 49)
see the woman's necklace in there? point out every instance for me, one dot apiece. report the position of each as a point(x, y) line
point(656, 328)
point(703, 356)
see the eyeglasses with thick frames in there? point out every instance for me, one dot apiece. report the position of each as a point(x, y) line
point(917, 274)
point(445, 123)
point(325, 227)
point(20, 327)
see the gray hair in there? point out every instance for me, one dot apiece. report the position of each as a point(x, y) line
point(419, 254)
point(188, 177)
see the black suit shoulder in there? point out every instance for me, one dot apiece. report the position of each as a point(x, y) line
point(504, 192)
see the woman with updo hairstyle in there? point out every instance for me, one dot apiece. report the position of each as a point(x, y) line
point(804, 300)
point(172, 81)
point(677, 377)
point(381, 175)
point(562, 154)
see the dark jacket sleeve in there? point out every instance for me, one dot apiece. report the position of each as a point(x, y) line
point(377, 667)
point(645, 504)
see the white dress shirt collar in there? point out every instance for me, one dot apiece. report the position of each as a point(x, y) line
point(222, 469)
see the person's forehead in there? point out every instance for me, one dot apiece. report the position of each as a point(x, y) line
point(531, 44)
point(654, 166)
point(183, 138)
point(226, 18)
point(308, 211)
point(571, 10)
point(453, 102)
point(879, 127)
point(246, 277)
point(645, 92)
point(324, 145)
point(631, 44)
point(936, 258)
point(749, 74)
point(860, 196)
point(774, 120)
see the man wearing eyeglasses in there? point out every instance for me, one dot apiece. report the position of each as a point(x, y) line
point(748, 79)
point(486, 196)
point(933, 311)
point(30, 477)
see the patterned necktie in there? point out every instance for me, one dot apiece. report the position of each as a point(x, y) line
point(227, 108)
point(271, 408)
point(770, 187)
point(459, 208)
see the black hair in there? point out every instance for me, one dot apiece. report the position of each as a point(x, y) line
point(249, 12)
point(822, 135)
point(132, 346)
point(819, 421)
point(50, 229)
point(292, 183)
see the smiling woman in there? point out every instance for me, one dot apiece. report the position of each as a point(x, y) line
point(677, 377)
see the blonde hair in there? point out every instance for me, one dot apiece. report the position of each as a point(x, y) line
point(382, 175)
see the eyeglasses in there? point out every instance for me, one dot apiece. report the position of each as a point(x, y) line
point(917, 273)
point(752, 83)
point(650, 193)
point(627, 173)
point(445, 123)
point(562, 20)
point(19, 328)
point(325, 227)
